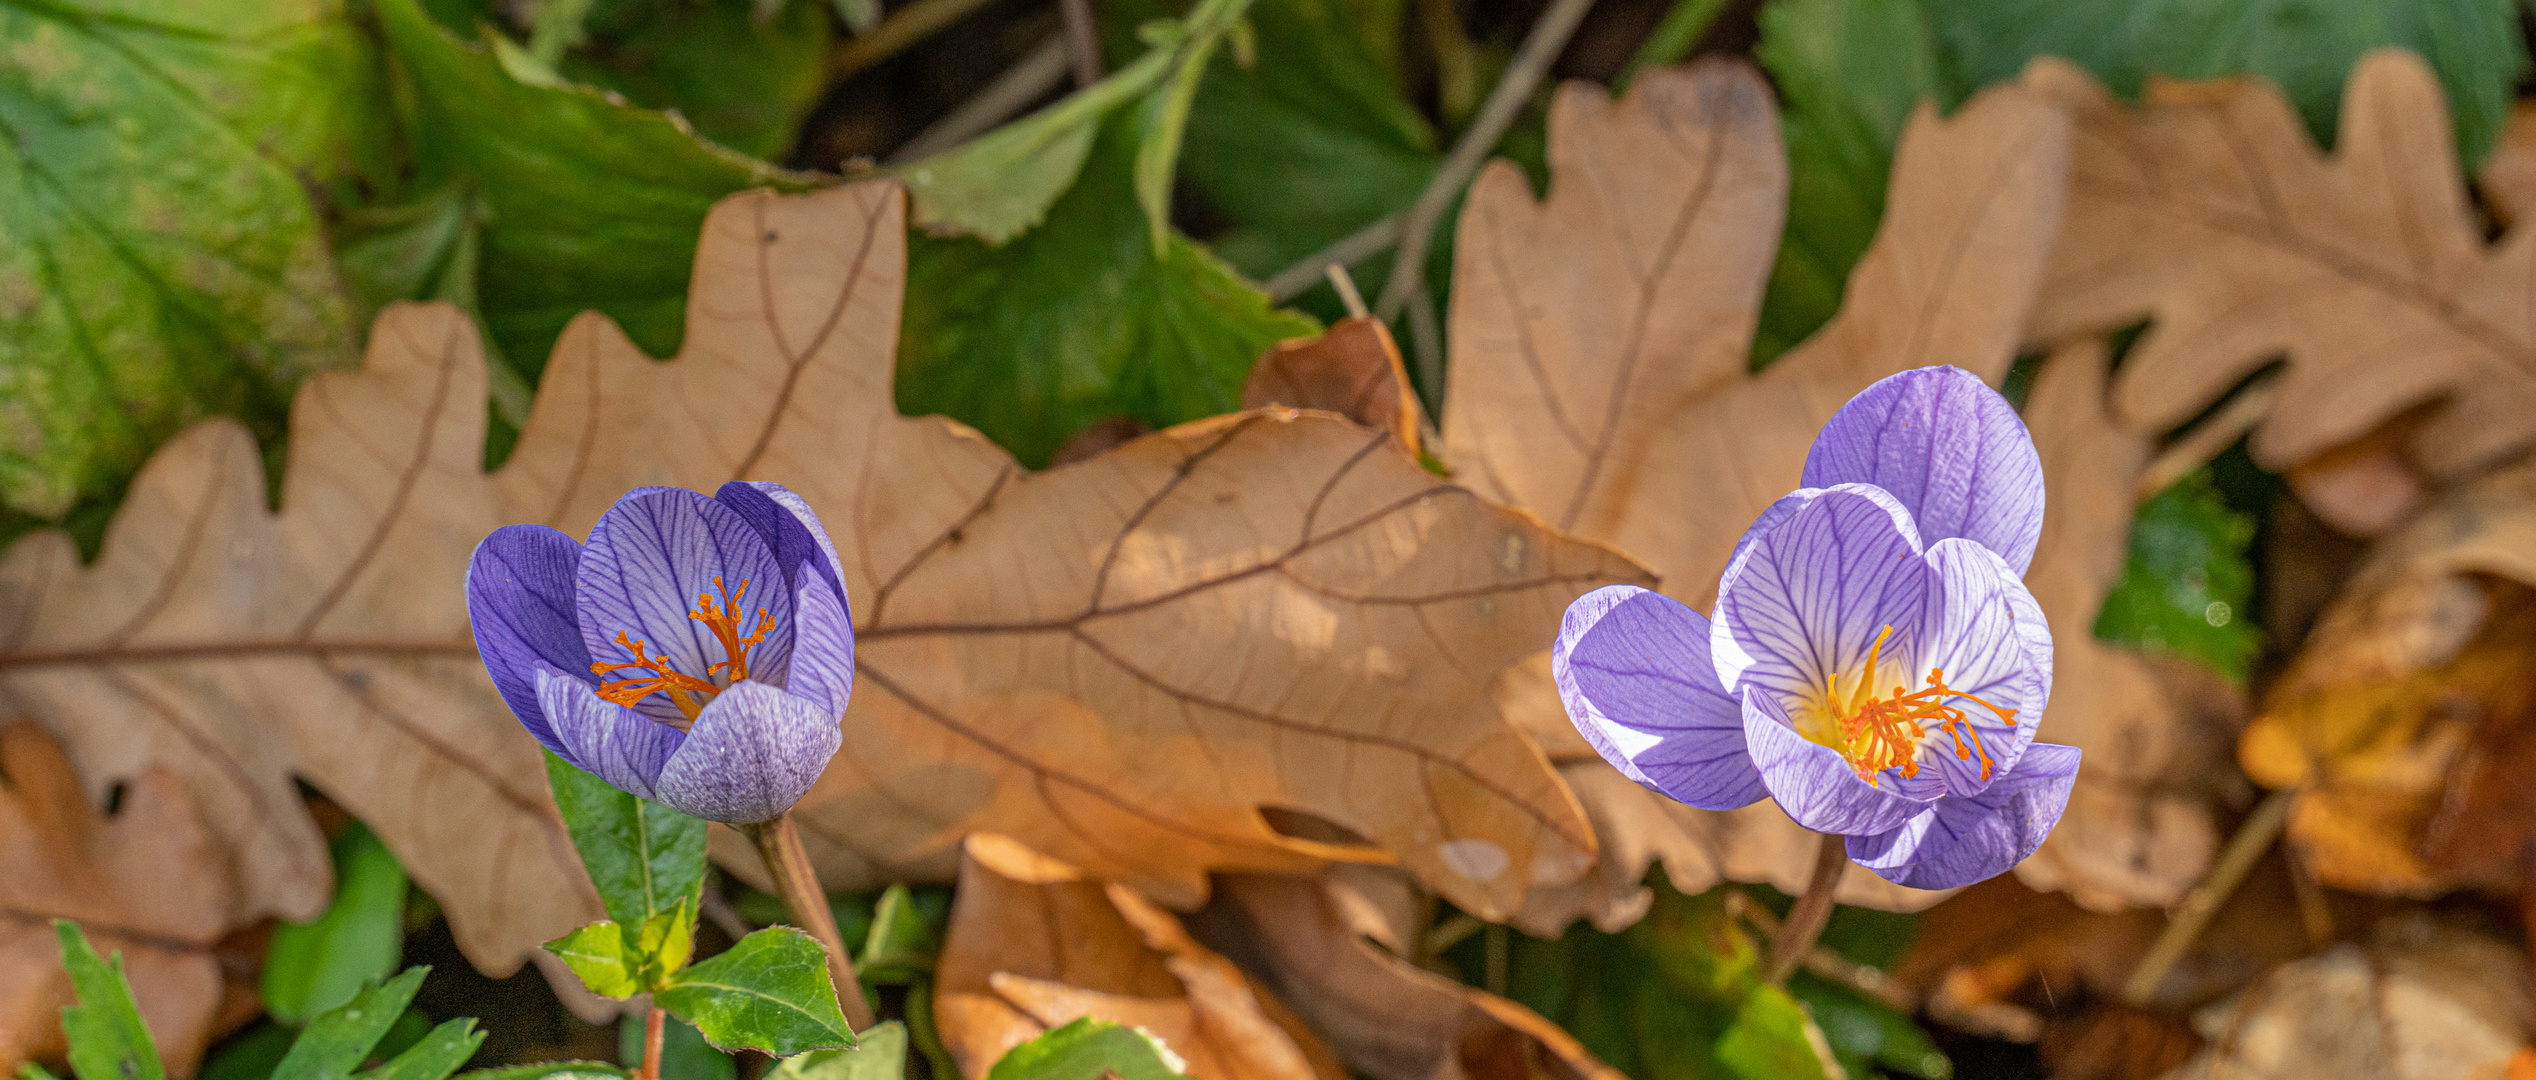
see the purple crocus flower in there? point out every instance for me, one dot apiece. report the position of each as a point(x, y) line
point(1875, 662)
point(697, 653)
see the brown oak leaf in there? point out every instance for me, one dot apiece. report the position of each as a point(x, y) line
point(1034, 945)
point(1353, 370)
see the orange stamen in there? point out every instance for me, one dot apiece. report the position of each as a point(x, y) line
point(1879, 734)
point(686, 691)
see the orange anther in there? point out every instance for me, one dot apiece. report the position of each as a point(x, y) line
point(1885, 733)
point(686, 691)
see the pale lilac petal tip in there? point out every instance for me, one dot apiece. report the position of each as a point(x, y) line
point(1950, 448)
point(1791, 609)
point(753, 753)
point(649, 559)
point(603, 738)
point(1960, 841)
point(1812, 782)
point(519, 601)
point(1990, 642)
point(1633, 668)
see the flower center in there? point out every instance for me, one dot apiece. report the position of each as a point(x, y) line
point(686, 691)
point(1879, 733)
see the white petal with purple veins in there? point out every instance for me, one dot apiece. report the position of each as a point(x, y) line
point(1633, 669)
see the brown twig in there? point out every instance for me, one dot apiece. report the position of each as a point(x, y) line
point(1823, 963)
point(1812, 912)
point(1082, 41)
point(1355, 247)
point(780, 845)
point(1021, 85)
point(904, 27)
point(2193, 915)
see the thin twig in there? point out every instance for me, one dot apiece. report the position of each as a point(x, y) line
point(779, 843)
point(1347, 293)
point(1355, 247)
point(2205, 442)
point(904, 27)
point(2193, 915)
point(1082, 41)
point(1823, 963)
point(1426, 340)
point(1447, 934)
point(1019, 87)
point(1812, 912)
point(1513, 88)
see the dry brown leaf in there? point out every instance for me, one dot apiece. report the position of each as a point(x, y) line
point(1599, 379)
point(2418, 1002)
point(147, 881)
point(1034, 945)
point(2407, 715)
point(2210, 211)
point(1353, 370)
point(2508, 175)
point(1121, 662)
point(1386, 1017)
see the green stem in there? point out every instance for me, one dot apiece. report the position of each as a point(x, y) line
point(780, 845)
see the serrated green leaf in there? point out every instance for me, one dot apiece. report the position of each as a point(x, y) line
point(2187, 587)
point(743, 81)
point(315, 966)
point(437, 1055)
point(1079, 320)
point(880, 1053)
point(592, 203)
point(335, 1043)
point(1090, 1049)
point(160, 258)
point(769, 992)
point(644, 858)
point(108, 1041)
point(552, 1070)
point(607, 963)
point(684, 1055)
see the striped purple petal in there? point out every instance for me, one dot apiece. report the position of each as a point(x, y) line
point(1806, 600)
point(519, 601)
point(1950, 449)
point(1963, 840)
point(1633, 668)
point(649, 559)
point(1987, 634)
point(602, 738)
point(753, 753)
point(819, 654)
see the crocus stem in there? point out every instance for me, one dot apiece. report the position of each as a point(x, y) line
point(1813, 910)
point(780, 845)
point(655, 1024)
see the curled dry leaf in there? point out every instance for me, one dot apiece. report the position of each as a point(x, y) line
point(1388, 1018)
point(1599, 379)
point(1041, 655)
point(147, 881)
point(2210, 211)
point(2407, 721)
point(1034, 945)
point(1353, 370)
point(2508, 175)
point(2418, 1002)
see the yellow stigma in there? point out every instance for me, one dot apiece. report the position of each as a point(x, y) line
point(1878, 733)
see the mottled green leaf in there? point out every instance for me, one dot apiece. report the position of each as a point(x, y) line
point(644, 858)
point(769, 992)
point(608, 963)
point(314, 966)
point(880, 1053)
point(2188, 586)
point(1090, 1049)
point(108, 1041)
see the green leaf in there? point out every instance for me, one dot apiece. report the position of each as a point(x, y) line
point(437, 1055)
point(744, 82)
point(770, 992)
point(315, 966)
point(614, 963)
point(644, 858)
point(335, 1043)
point(2306, 47)
point(684, 1055)
point(251, 1056)
point(1866, 1034)
point(1090, 1049)
point(2188, 585)
point(1850, 72)
point(591, 203)
point(902, 942)
point(160, 258)
point(108, 1041)
point(880, 1053)
point(1079, 320)
point(555, 1070)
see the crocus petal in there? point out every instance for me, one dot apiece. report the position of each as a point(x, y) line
point(1805, 601)
point(1950, 448)
point(823, 646)
point(802, 548)
point(754, 751)
point(1633, 668)
point(650, 557)
point(1963, 840)
point(1987, 634)
point(1770, 519)
point(1812, 782)
point(603, 738)
point(519, 600)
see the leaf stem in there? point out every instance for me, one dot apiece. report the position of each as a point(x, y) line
point(779, 843)
point(2192, 916)
point(1813, 911)
point(655, 1025)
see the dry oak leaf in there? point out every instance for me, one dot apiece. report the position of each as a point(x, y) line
point(241, 650)
point(1388, 1018)
point(1033, 945)
point(2419, 1001)
point(1599, 379)
point(1353, 369)
point(2209, 211)
point(2407, 716)
point(147, 881)
point(1121, 662)
point(2508, 175)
